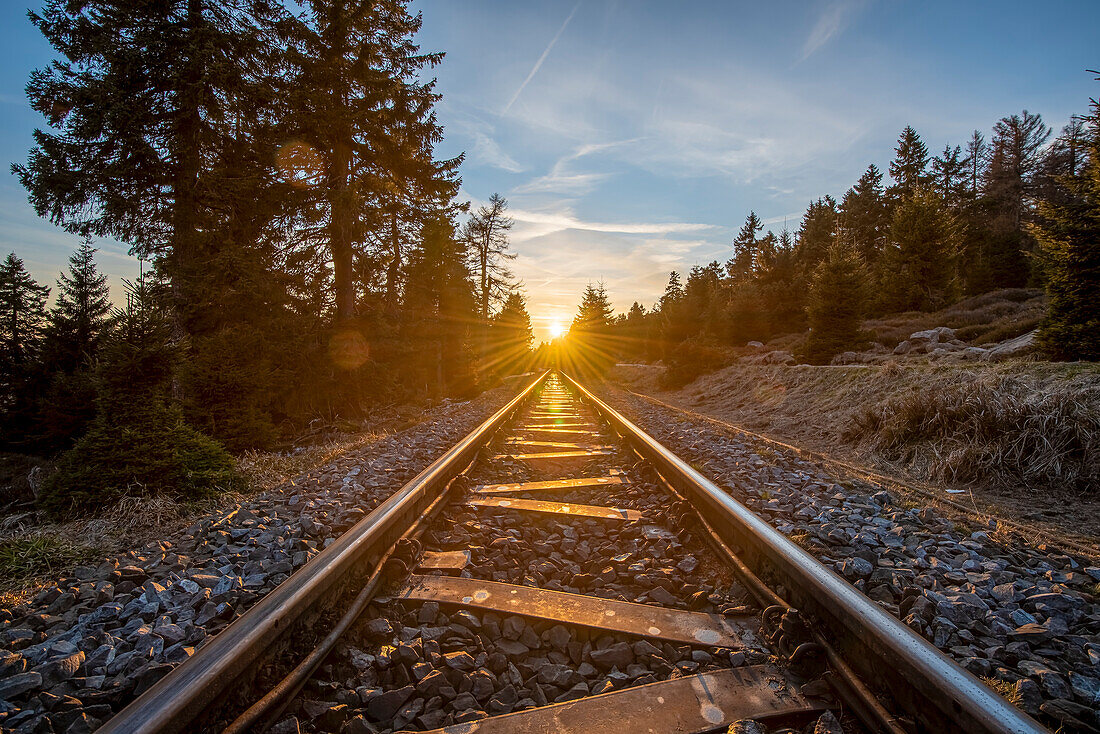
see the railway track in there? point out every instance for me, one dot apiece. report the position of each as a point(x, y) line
point(560, 571)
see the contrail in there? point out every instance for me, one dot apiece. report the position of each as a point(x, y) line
point(538, 64)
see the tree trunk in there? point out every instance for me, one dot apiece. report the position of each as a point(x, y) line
point(340, 230)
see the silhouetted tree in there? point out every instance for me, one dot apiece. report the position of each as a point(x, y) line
point(864, 215)
point(22, 325)
point(838, 293)
point(909, 169)
point(918, 268)
point(1068, 232)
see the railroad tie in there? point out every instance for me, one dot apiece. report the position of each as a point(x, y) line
point(614, 478)
point(611, 615)
point(556, 508)
point(690, 705)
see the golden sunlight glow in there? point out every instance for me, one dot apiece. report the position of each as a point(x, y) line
point(556, 329)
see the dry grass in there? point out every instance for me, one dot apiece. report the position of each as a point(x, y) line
point(1004, 688)
point(984, 319)
point(33, 549)
point(992, 427)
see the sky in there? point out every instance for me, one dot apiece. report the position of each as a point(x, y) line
point(633, 138)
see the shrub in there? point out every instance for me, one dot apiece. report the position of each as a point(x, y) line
point(688, 360)
point(153, 453)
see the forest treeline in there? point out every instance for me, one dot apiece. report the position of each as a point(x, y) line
point(1021, 208)
point(306, 256)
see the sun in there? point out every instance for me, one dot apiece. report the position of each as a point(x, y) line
point(556, 329)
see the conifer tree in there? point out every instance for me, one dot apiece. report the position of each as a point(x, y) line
point(949, 176)
point(817, 232)
point(441, 309)
point(79, 317)
point(486, 233)
point(360, 98)
point(863, 215)
point(78, 322)
point(511, 336)
point(138, 443)
point(836, 304)
point(740, 266)
point(22, 325)
point(976, 152)
point(910, 165)
point(1068, 232)
point(590, 344)
point(918, 268)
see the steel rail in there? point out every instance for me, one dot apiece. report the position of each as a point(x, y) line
point(180, 701)
point(921, 680)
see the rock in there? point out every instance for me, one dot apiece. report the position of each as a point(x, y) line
point(1070, 714)
point(904, 347)
point(932, 336)
point(1021, 346)
point(1028, 695)
point(385, 706)
point(856, 567)
point(779, 357)
point(747, 726)
point(618, 655)
point(16, 685)
point(1085, 688)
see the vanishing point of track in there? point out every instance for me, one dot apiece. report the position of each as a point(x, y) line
point(558, 570)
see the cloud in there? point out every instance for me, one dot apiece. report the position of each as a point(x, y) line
point(485, 148)
point(832, 21)
point(545, 53)
point(562, 180)
point(556, 221)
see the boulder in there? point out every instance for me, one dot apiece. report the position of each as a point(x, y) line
point(932, 336)
point(779, 357)
point(1021, 346)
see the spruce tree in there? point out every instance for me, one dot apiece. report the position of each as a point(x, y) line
point(486, 234)
point(741, 265)
point(910, 165)
point(511, 336)
point(836, 304)
point(590, 347)
point(864, 215)
point(949, 176)
point(78, 322)
point(22, 326)
point(918, 269)
point(139, 443)
point(359, 97)
point(817, 233)
point(79, 317)
point(1068, 232)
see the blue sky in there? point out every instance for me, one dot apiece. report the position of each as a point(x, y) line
point(632, 138)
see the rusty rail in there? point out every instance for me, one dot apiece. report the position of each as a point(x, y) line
point(921, 680)
point(180, 700)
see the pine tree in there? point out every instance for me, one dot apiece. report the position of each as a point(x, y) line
point(138, 443)
point(817, 233)
point(949, 176)
point(864, 215)
point(359, 96)
point(79, 317)
point(910, 165)
point(511, 336)
point(1068, 232)
point(22, 325)
point(740, 266)
point(486, 233)
point(836, 304)
point(590, 350)
point(782, 296)
point(918, 268)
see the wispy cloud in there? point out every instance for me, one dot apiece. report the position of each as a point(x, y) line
point(555, 221)
point(832, 21)
point(545, 53)
point(563, 180)
point(484, 147)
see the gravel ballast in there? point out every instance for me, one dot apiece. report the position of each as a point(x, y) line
point(1026, 617)
point(85, 646)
